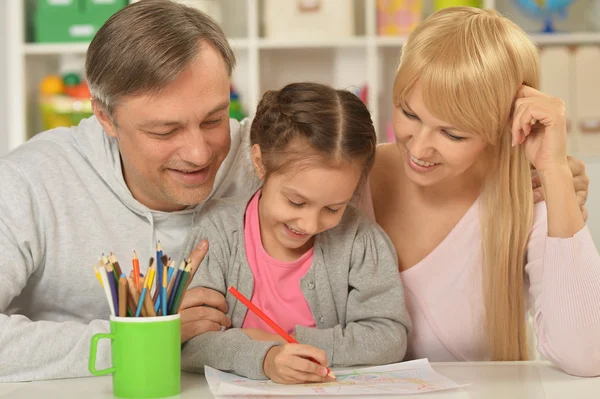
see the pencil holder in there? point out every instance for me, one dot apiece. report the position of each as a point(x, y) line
point(146, 356)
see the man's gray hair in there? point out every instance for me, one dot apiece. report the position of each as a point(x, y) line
point(143, 47)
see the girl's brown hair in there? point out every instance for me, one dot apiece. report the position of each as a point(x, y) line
point(304, 120)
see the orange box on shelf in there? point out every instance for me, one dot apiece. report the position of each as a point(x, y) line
point(398, 17)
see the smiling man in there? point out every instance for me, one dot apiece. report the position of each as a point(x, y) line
point(159, 146)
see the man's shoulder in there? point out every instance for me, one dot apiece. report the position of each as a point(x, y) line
point(228, 211)
point(50, 150)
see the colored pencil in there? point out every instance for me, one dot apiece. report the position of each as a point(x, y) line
point(136, 270)
point(269, 322)
point(113, 286)
point(135, 295)
point(171, 270)
point(144, 291)
point(177, 279)
point(107, 292)
point(116, 265)
point(150, 282)
point(192, 272)
point(159, 270)
point(123, 296)
point(163, 294)
point(98, 276)
point(106, 262)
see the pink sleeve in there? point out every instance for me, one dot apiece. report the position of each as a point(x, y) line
point(564, 279)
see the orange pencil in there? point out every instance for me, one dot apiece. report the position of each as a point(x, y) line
point(270, 322)
point(136, 270)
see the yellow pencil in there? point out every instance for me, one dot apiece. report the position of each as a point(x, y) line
point(98, 276)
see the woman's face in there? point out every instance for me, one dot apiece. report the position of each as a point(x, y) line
point(434, 151)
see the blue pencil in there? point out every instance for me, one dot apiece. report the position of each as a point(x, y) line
point(144, 289)
point(159, 274)
point(141, 302)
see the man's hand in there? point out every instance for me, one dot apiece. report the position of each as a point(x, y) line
point(581, 183)
point(202, 309)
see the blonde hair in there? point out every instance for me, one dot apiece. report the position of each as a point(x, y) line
point(469, 64)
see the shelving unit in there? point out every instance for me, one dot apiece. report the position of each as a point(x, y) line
point(263, 63)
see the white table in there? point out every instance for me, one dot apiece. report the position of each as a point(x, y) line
point(489, 380)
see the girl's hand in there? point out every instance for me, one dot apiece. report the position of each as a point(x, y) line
point(289, 364)
point(260, 335)
point(539, 122)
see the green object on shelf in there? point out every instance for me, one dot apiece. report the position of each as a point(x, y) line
point(60, 21)
point(71, 79)
point(439, 4)
point(236, 110)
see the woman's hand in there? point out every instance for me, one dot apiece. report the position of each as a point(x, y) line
point(289, 364)
point(539, 123)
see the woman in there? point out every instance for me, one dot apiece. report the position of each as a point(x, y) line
point(454, 195)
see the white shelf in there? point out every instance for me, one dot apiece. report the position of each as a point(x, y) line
point(55, 48)
point(566, 38)
point(539, 38)
point(390, 41)
point(81, 48)
point(291, 44)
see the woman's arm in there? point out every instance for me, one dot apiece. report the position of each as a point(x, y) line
point(563, 264)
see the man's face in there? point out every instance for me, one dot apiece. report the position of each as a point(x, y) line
point(173, 142)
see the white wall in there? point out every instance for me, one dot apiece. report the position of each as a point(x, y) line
point(4, 96)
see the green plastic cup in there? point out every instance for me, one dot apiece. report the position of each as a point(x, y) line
point(146, 356)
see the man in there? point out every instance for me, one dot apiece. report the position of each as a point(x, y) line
point(159, 146)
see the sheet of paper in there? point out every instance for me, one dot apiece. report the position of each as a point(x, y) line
point(412, 377)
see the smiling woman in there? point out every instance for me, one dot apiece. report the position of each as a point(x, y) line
point(454, 194)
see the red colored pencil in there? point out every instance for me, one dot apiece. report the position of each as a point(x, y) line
point(268, 320)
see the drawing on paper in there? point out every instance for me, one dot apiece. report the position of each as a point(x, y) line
point(401, 378)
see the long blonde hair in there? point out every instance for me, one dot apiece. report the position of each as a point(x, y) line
point(470, 63)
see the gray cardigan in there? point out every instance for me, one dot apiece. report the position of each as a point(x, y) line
point(353, 289)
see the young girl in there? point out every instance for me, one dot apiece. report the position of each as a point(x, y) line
point(300, 251)
point(454, 195)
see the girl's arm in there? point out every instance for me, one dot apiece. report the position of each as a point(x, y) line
point(563, 265)
point(230, 350)
point(377, 322)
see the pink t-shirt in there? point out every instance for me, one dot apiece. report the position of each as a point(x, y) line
point(276, 284)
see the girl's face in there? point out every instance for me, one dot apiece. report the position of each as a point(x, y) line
point(434, 151)
point(298, 204)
